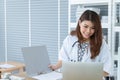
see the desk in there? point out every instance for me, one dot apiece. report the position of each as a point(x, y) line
point(23, 74)
point(48, 76)
point(18, 66)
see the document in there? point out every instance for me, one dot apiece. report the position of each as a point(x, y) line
point(49, 76)
point(6, 66)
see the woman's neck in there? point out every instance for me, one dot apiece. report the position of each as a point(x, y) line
point(86, 40)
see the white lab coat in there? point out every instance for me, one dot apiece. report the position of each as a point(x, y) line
point(104, 56)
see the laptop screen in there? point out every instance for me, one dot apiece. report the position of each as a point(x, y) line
point(36, 59)
point(82, 71)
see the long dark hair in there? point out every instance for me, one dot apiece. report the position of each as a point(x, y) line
point(96, 38)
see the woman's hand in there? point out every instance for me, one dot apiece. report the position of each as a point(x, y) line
point(56, 66)
point(52, 67)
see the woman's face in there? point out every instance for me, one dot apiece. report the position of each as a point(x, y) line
point(87, 29)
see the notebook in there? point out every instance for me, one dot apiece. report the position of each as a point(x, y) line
point(82, 71)
point(36, 60)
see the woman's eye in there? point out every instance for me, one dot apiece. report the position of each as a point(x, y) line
point(93, 27)
point(86, 26)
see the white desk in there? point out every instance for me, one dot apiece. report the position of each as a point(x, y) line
point(49, 76)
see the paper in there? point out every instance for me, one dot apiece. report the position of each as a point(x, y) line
point(6, 66)
point(49, 76)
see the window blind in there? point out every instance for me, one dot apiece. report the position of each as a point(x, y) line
point(44, 25)
point(63, 20)
point(2, 32)
point(17, 25)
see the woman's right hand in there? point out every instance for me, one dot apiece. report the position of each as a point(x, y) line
point(56, 66)
point(52, 67)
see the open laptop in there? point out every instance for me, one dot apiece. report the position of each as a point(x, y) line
point(82, 71)
point(37, 60)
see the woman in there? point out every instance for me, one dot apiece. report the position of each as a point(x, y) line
point(86, 43)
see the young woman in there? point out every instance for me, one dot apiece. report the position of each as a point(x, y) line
point(86, 43)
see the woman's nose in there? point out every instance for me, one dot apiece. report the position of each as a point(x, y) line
point(88, 30)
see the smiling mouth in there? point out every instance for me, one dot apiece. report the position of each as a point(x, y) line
point(87, 35)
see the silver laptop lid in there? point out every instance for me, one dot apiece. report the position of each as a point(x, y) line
point(82, 71)
point(36, 59)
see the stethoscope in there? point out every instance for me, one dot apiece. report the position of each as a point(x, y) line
point(70, 59)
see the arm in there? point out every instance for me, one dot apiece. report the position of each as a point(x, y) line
point(56, 66)
point(105, 58)
point(105, 74)
point(62, 54)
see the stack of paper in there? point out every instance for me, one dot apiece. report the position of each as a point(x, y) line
point(6, 66)
point(49, 76)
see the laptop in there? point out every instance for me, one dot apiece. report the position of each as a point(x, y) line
point(36, 60)
point(82, 71)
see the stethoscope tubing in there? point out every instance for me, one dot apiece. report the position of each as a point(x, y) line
point(71, 51)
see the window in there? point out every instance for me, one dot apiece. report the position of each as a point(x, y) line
point(33, 23)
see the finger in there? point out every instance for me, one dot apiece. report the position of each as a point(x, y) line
point(49, 66)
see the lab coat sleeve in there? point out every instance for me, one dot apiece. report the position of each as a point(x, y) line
point(64, 50)
point(106, 57)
